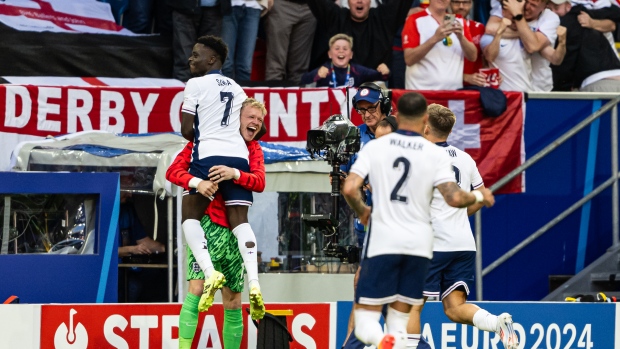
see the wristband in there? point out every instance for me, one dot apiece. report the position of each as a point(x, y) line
point(478, 195)
point(237, 174)
point(193, 183)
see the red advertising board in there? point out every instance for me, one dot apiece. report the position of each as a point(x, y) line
point(145, 326)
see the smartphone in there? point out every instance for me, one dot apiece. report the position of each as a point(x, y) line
point(449, 17)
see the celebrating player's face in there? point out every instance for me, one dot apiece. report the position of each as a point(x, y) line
point(199, 61)
point(251, 122)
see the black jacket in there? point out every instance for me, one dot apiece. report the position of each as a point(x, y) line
point(372, 38)
point(587, 50)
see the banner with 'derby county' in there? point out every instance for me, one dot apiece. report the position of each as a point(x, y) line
point(495, 143)
point(61, 16)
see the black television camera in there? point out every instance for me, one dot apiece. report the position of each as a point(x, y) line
point(335, 141)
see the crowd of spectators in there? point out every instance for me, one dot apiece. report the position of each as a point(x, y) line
point(526, 45)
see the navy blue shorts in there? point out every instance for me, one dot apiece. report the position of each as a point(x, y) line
point(388, 278)
point(232, 193)
point(449, 271)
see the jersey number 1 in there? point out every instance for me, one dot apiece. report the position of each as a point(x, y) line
point(406, 164)
point(228, 98)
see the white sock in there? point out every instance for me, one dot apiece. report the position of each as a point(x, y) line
point(367, 327)
point(195, 237)
point(412, 341)
point(244, 234)
point(396, 322)
point(485, 321)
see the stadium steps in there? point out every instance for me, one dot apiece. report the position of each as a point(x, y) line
point(602, 275)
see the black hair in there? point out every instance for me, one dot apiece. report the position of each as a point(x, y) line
point(216, 44)
point(411, 105)
point(389, 121)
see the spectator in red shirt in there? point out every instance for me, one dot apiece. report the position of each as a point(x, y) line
point(224, 251)
point(435, 44)
point(471, 70)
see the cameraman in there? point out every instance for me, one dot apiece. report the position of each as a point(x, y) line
point(373, 104)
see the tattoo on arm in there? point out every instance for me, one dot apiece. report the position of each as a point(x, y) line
point(455, 196)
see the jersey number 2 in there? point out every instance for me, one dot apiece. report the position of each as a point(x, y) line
point(406, 164)
point(228, 98)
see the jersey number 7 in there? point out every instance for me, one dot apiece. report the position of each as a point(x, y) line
point(228, 98)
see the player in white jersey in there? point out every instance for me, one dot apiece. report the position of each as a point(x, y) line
point(451, 271)
point(400, 237)
point(210, 111)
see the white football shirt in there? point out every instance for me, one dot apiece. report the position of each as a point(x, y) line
point(513, 62)
point(451, 225)
point(215, 101)
point(442, 67)
point(542, 77)
point(403, 168)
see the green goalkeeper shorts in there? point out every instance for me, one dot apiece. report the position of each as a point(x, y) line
point(225, 255)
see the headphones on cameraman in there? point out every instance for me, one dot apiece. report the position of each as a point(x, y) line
point(385, 101)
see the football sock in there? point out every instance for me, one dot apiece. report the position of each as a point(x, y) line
point(188, 320)
point(367, 327)
point(247, 246)
point(233, 328)
point(396, 322)
point(412, 341)
point(485, 321)
point(195, 237)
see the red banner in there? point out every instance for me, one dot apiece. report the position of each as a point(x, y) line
point(156, 326)
point(495, 143)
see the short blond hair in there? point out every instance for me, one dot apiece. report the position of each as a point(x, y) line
point(440, 119)
point(341, 36)
point(252, 102)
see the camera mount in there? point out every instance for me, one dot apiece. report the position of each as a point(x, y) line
point(335, 141)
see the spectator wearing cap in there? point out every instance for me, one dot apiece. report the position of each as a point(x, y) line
point(374, 105)
point(372, 29)
point(435, 44)
point(537, 28)
point(339, 72)
point(591, 64)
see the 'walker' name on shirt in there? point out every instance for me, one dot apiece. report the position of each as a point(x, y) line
point(406, 144)
point(223, 82)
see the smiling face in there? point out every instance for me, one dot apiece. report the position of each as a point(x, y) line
point(201, 60)
point(340, 53)
point(371, 117)
point(533, 9)
point(251, 121)
point(359, 9)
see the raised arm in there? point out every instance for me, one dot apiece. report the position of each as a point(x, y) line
point(556, 56)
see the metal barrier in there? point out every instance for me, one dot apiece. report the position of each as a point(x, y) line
point(612, 181)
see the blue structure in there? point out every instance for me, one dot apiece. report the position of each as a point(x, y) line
point(52, 278)
point(552, 185)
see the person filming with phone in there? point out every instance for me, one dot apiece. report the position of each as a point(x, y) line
point(436, 43)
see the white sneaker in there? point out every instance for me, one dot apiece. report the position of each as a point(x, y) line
point(506, 333)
